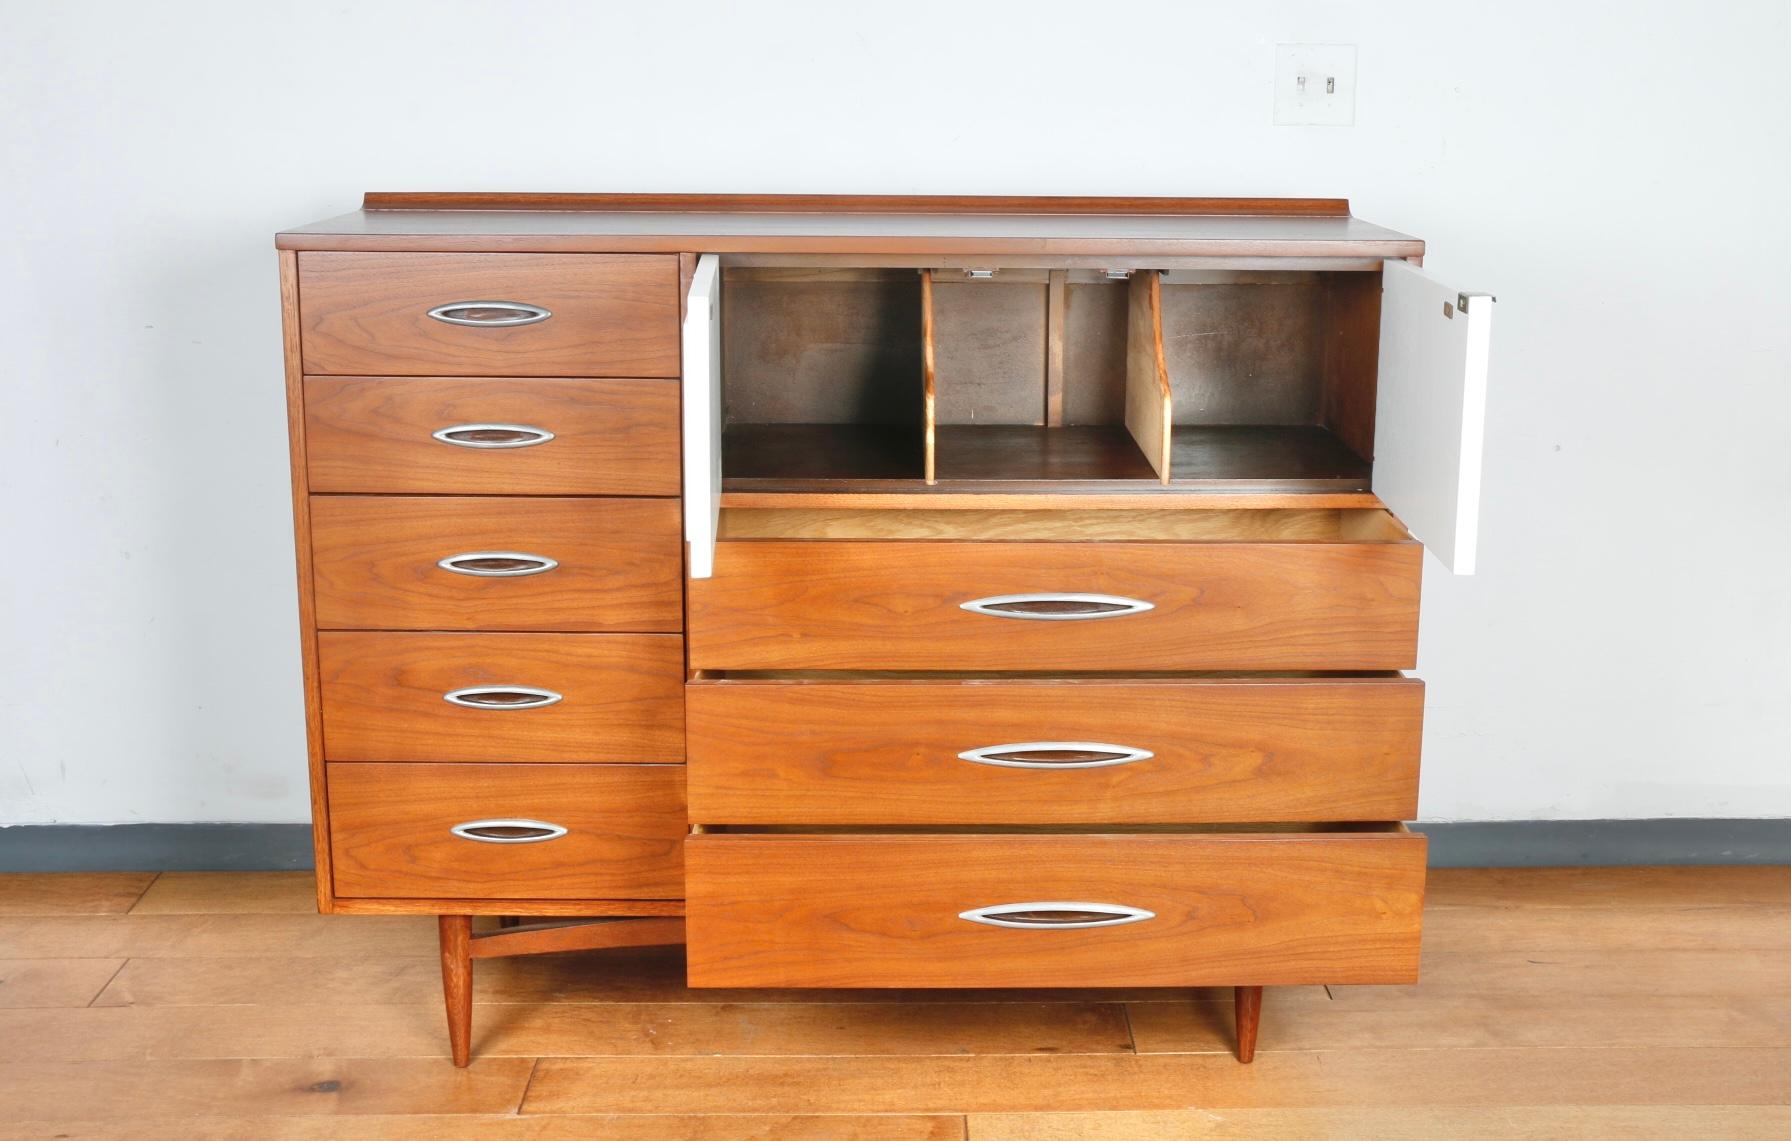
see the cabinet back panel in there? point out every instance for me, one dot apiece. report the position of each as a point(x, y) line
point(989, 345)
point(1245, 353)
point(822, 349)
point(1094, 353)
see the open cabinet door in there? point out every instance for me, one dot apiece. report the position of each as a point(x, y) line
point(702, 415)
point(1430, 409)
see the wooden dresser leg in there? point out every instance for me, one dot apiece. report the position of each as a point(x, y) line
point(1248, 1000)
point(457, 983)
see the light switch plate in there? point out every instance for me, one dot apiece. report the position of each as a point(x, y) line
point(1315, 85)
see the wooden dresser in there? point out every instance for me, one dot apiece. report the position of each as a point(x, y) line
point(877, 592)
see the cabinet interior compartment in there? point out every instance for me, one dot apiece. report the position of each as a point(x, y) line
point(1048, 379)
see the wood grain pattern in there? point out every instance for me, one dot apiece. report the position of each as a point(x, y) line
point(1043, 501)
point(291, 321)
point(512, 907)
point(391, 830)
point(457, 984)
point(1352, 320)
point(555, 938)
point(1066, 524)
point(425, 1126)
point(54, 983)
point(72, 893)
point(886, 752)
point(1148, 412)
point(281, 1087)
point(375, 559)
point(367, 314)
point(623, 697)
point(929, 380)
point(776, 604)
point(372, 434)
point(883, 910)
point(857, 203)
point(229, 893)
point(1020, 1083)
point(1389, 1122)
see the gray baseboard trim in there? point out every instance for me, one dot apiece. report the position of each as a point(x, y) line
point(1605, 843)
point(1481, 844)
point(155, 847)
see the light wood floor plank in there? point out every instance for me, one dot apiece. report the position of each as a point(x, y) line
point(1680, 927)
point(171, 936)
point(71, 893)
point(1608, 887)
point(653, 974)
point(1572, 974)
point(1504, 1123)
point(230, 893)
point(128, 1091)
point(1030, 1083)
point(1421, 1018)
point(481, 1128)
point(27, 983)
point(176, 1032)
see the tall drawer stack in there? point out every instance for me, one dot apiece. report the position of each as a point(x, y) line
point(486, 457)
point(1059, 774)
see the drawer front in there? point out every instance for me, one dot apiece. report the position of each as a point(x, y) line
point(481, 563)
point(1053, 752)
point(1241, 909)
point(497, 437)
point(605, 314)
point(507, 831)
point(776, 604)
point(385, 697)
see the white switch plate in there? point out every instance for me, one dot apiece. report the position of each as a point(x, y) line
point(1315, 85)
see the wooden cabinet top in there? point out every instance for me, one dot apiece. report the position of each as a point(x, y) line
point(869, 225)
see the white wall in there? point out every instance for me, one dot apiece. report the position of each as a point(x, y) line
point(1618, 179)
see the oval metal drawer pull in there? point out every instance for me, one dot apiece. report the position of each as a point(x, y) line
point(502, 697)
point(508, 831)
point(1055, 755)
point(493, 435)
point(1052, 607)
point(489, 314)
point(1057, 915)
point(497, 564)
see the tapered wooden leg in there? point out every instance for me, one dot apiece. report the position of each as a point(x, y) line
point(457, 984)
point(1248, 1000)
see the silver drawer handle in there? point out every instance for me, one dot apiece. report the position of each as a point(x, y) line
point(1055, 755)
point(493, 435)
point(1050, 607)
point(1057, 916)
point(508, 831)
point(503, 697)
point(497, 564)
point(489, 314)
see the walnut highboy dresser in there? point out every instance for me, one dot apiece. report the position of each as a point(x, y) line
point(877, 592)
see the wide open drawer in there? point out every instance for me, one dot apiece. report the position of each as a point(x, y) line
point(1057, 590)
point(845, 749)
point(990, 909)
point(507, 831)
point(435, 562)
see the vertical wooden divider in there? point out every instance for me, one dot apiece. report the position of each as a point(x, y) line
point(1056, 310)
point(1149, 415)
point(929, 412)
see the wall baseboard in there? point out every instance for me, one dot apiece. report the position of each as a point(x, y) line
point(1469, 844)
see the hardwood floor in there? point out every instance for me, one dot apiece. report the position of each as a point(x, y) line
point(1556, 1002)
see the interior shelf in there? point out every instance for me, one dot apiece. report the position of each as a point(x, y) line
point(1018, 458)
